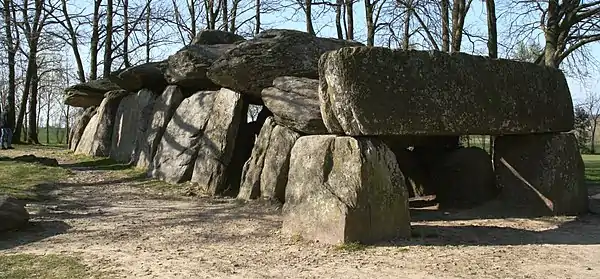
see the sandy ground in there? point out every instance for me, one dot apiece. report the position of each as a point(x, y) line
point(132, 232)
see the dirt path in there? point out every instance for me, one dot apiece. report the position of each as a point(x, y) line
point(131, 232)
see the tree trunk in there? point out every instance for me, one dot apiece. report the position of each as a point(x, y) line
point(108, 40)
point(224, 6)
point(48, 120)
point(126, 61)
point(370, 23)
point(406, 35)
point(233, 19)
point(32, 133)
point(458, 10)
point(257, 15)
point(350, 19)
point(492, 31)
point(445, 26)
point(148, 14)
point(11, 50)
point(593, 140)
point(338, 18)
point(308, 13)
point(74, 42)
point(95, 40)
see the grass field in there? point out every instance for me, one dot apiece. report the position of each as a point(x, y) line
point(27, 266)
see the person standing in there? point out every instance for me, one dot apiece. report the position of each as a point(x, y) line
point(5, 131)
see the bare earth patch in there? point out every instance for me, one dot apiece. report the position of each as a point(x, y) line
point(124, 227)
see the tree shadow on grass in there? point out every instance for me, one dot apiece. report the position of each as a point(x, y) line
point(98, 164)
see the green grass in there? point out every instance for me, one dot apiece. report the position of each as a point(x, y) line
point(51, 136)
point(592, 168)
point(22, 180)
point(351, 247)
point(27, 266)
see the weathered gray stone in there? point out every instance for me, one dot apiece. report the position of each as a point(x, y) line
point(163, 109)
point(131, 122)
point(250, 186)
point(465, 178)
point(273, 178)
point(198, 142)
point(216, 37)
point(295, 104)
point(178, 148)
point(379, 91)
point(543, 174)
point(79, 127)
point(594, 204)
point(217, 144)
point(97, 137)
point(342, 189)
point(149, 75)
point(187, 67)
point(13, 214)
point(253, 65)
point(88, 94)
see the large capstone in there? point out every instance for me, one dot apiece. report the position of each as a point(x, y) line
point(216, 37)
point(163, 109)
point(379, 91)
point(131, 123)
point(294, 102)
point(344, 189)
point(88, 94)
point(253, 65)
point(79, 127)
point(97, 137)
point(187, 68)
point(541, 174)
point(149, 75)
point(202, 124)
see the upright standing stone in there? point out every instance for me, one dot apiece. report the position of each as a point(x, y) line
point(129, 121)
point(250, 186)
point(543, 174)
point(79, 127)
point(162, 111)
point(343, 189)
point(178, 148)
point(97, 137)
point(216, 146)
point(379, 91)
point(274, 175)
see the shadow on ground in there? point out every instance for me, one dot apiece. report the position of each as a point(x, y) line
point(35, 231)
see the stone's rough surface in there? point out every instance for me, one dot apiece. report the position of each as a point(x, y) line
point(130, 124)
point(244, 142)
point(163, 109)
point(217, 143)
point(378, 91)
point(187, 68)
point(250, 186)
point(465, 178)
point(343, 189)
point(594, 204)
point(253, 65)
point(415, 173)
point(88, 94)
point(294, 102)
point(79, 127)
point(150, 76)
point(273, 178)
point(13, 214)
point(199, 140)
point(178, 148)
point(544, 173)
point(97, 137)
point(216, 37)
